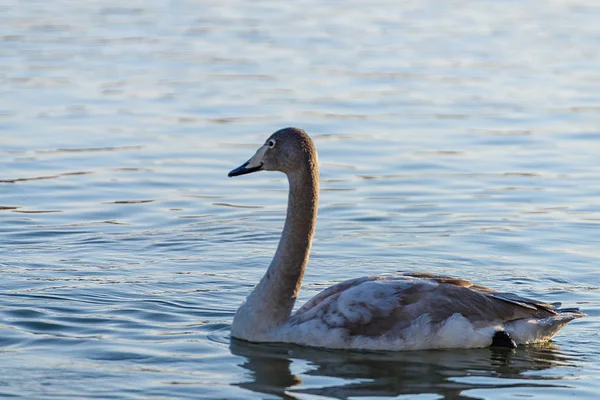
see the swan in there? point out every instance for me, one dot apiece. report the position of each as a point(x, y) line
point(411, 311)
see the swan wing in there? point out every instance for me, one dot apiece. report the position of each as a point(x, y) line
point(503, 296)
point(377, 305)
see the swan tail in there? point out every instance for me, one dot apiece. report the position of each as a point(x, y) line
point(534, 330)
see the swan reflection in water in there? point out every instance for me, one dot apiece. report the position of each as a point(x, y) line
point(275, 369)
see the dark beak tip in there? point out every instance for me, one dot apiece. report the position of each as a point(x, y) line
point(238, 171)
point(242, 170)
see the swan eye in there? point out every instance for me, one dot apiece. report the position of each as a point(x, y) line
point(271, 143)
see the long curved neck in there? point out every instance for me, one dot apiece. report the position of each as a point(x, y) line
point(293, 251)
point(271, 302)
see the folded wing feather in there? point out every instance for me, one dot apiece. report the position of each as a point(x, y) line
point(379, 305)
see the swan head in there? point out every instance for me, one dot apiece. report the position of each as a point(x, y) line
point(288, 150)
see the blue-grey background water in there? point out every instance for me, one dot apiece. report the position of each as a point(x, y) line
point(458, 137)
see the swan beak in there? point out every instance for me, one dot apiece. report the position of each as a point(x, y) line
point(252, 165)
point(244, 169)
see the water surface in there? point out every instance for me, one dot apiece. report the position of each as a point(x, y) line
point(460, 138)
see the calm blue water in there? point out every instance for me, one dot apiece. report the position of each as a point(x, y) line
point(460, 138)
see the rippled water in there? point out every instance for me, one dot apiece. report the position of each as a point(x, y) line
point(455, 137)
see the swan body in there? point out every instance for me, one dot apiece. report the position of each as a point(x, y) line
point(412, 311)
